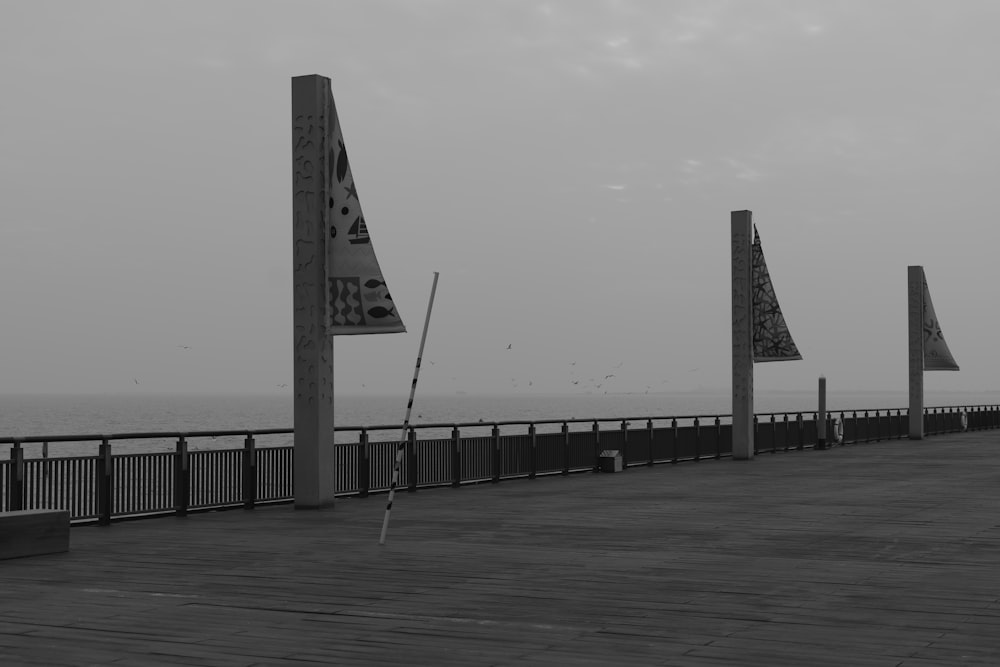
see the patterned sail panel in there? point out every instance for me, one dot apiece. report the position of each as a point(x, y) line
point(937, 356)
point(357, 296)
point(771, 339)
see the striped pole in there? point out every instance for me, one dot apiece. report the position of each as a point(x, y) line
point(401, 447)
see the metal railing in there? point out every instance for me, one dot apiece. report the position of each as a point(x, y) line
point(107, 485)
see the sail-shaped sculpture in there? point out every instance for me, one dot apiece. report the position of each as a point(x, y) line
point(359, 300)
point(759, 329)
point(771, 338)
point(928, 350)
point(937, 356)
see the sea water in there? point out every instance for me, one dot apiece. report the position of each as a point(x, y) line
point(60, 414)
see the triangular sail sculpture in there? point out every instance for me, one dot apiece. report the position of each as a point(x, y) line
point(937, 356)
point(359, 301)
point(771, 339)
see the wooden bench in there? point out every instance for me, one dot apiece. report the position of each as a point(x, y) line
point(33, 532)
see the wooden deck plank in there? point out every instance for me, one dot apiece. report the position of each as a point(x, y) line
point(881, 554)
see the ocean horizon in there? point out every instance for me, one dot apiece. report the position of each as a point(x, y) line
point(23, 415)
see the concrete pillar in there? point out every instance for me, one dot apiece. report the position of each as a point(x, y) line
point(741, 241)
point(915, 303)
point(315, 465)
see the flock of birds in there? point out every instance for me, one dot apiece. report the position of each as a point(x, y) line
point(597, 382)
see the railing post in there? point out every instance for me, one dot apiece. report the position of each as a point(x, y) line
point(868, 428)
point(676, 434)
point(456, 457)
point(496, 453)
point(756, 431)
point(596, 428)
point(624, 445)
point(649, 433)
point(878, 427)
point(411, 460)
point(364, 464)
point(774, 435)
point(784, 438)
point(697, 439)
point(249, 472)
point(182, 477)
point(899, 424)
point(565, 434)
point(801, 428)
point(532, 435)
point(104, 483)
point(15, 486)
point(718, 438)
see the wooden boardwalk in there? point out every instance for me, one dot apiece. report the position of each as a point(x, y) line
point(879, 554)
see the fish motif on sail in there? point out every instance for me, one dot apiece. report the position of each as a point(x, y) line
point(359, 301)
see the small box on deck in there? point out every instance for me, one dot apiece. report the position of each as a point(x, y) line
point(611, 460)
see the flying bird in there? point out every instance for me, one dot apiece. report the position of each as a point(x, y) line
point(508, 345)
point(134, 380)
point(184, 347)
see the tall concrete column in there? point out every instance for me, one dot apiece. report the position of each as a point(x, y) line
point(915, 303)
point(742, 239)
point(315, 465)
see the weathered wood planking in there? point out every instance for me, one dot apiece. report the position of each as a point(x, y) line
point(33, 533)
point(880, 554)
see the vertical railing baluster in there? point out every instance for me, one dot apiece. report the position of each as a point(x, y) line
point(801, 428)
point(104, 472)
point(533, 437)
point(181, 477)
point(774, 435)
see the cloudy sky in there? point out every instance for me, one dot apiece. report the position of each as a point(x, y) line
point(569, 167)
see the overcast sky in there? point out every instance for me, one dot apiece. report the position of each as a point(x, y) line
point(568, 166)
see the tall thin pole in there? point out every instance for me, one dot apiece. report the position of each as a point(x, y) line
point(401, 447)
